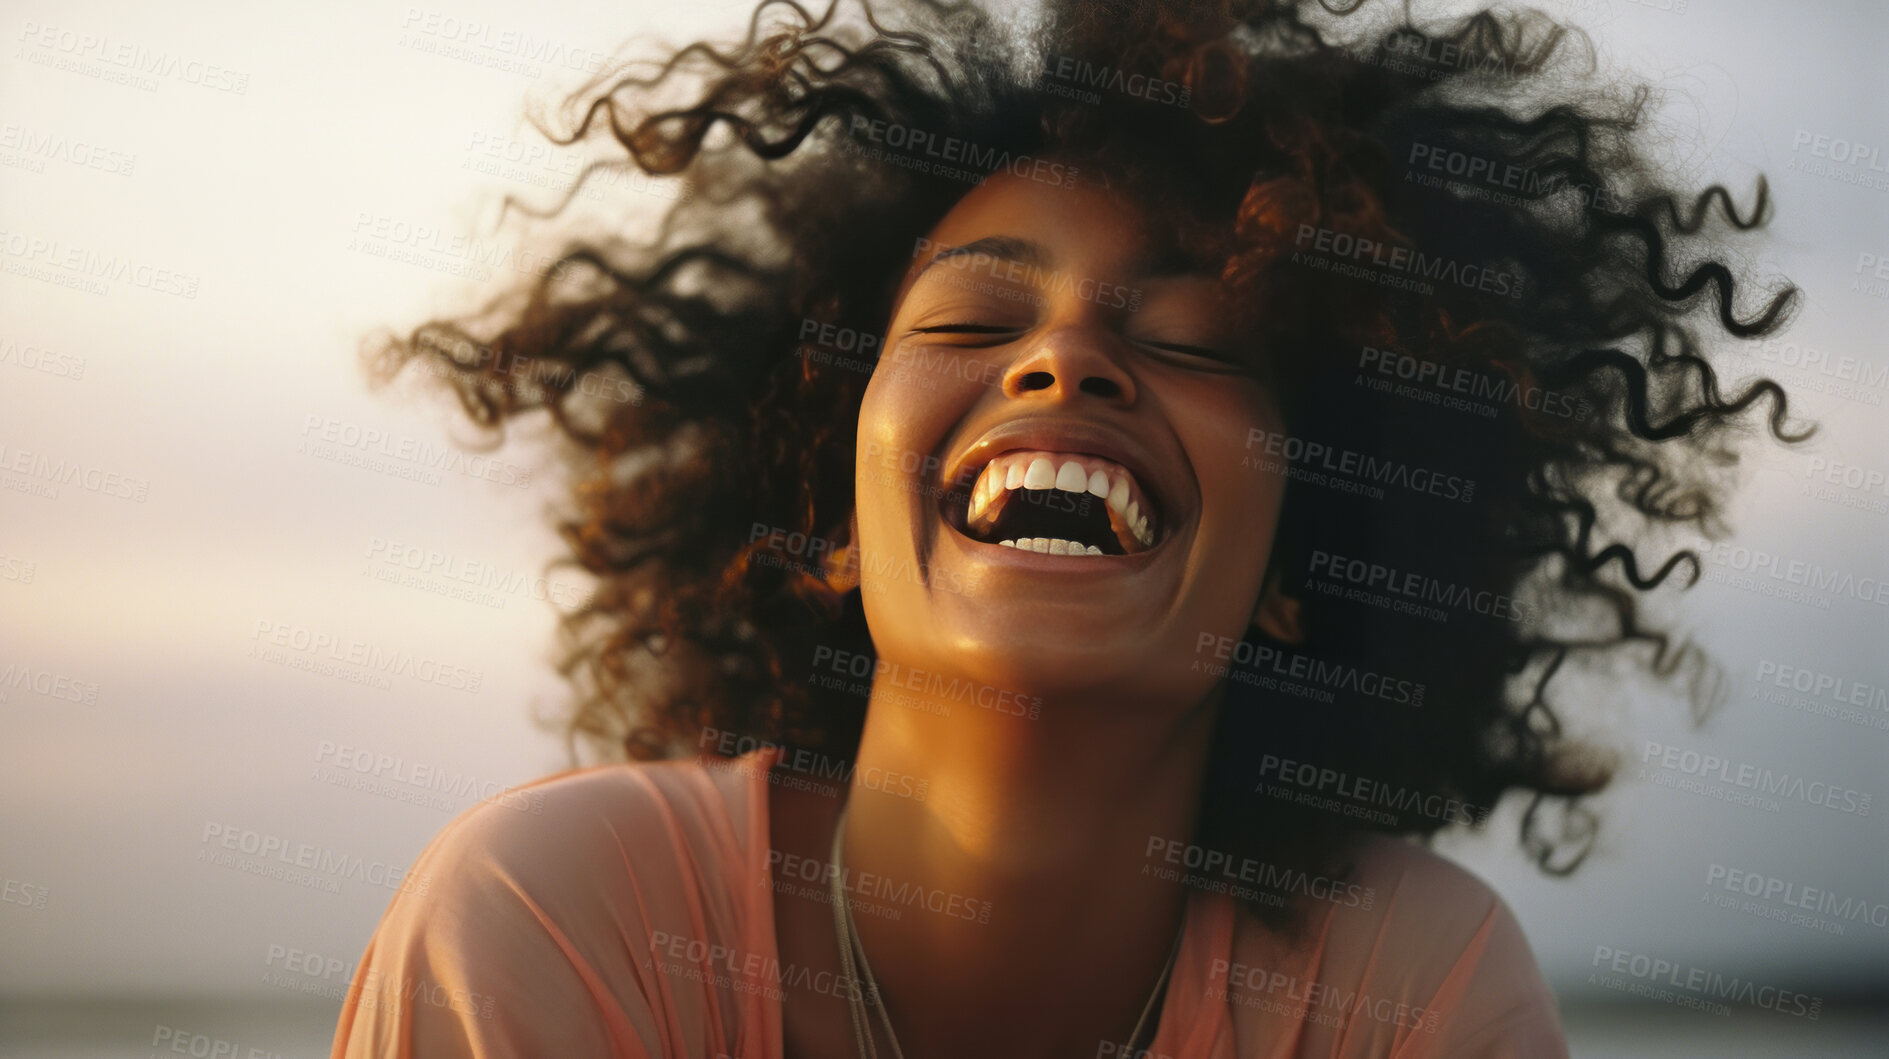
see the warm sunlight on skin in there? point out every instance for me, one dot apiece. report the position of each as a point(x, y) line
point(1041, 331)
point(1101, 534)
point(1043, 318)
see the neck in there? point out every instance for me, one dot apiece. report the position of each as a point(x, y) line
point(1031, 839)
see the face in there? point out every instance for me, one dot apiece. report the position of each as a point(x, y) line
point(1052, 372)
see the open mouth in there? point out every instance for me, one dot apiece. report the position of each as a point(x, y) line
point(1056, 503)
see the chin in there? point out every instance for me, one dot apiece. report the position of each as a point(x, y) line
point(1051, 661)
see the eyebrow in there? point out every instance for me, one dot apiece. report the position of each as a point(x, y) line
point(1001, 247)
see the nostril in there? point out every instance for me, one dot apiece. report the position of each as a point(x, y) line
point(1101, 387)
point(1036, 380)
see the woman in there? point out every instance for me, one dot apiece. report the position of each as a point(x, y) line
point(1095, 492)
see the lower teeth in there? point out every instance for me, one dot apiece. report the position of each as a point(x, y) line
point(1052, 546)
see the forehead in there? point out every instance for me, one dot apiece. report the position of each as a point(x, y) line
point(1082, 227)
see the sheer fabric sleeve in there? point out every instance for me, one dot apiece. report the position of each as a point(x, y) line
point(1415, 958)
point(476, 956)
point(1494, 1002)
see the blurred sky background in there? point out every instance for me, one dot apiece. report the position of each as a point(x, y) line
point(271, 226)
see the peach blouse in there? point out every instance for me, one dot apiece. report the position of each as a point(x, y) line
point(634, 916)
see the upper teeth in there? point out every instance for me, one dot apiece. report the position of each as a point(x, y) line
point(1036, 469)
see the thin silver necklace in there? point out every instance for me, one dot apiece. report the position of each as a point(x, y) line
point(853, 964)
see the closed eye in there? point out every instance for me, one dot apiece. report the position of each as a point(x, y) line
point(965, 329)
point(1220, 360)
point(1228, 361)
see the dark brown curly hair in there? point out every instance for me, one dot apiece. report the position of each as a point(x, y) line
point(1463, 267)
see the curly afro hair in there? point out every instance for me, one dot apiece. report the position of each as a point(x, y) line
point(1482, 309)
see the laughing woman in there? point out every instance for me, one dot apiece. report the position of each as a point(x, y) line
point(1100, 493)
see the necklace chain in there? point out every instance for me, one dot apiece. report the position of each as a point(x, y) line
point(856, 969)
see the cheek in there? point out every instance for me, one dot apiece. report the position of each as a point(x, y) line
point(939, 375)
point(892, 415)
point(916, 395)
point(1240, 486)
point(1226, 432)
point(904, 417)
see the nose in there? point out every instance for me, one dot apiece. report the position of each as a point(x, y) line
point(1066, 362)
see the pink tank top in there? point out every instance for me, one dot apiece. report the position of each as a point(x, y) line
point(627, 910)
